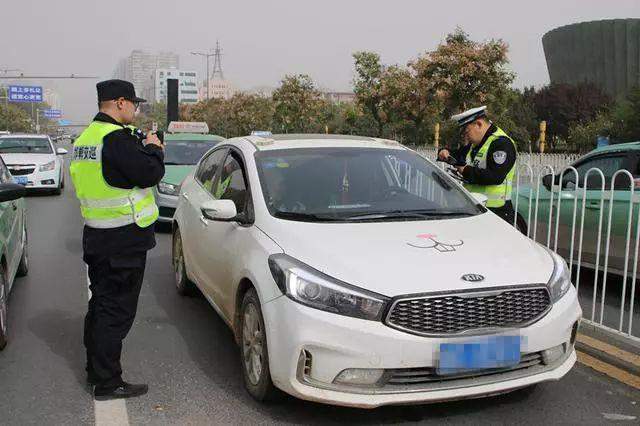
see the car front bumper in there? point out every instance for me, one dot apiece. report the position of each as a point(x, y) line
point(308, 348)
point(166, 205)
point(41, 180)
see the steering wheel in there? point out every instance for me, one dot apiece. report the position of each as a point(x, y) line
point(392, 191)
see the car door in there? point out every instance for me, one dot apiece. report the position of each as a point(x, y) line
point(223, 241)
point(10, 226)
point(608, 164)
point(194, 193)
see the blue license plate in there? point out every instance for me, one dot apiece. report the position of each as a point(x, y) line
point(490, 352)
point(21, 180)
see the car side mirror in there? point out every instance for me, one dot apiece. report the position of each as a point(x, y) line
point(61, 151)
point(219, 210)
point(547, 181)
point(11, 191)
point(480, 198)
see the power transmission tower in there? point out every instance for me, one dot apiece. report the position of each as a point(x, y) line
point(217, 62)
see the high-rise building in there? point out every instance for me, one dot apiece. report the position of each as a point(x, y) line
point(52, 98)
point(187, 85)
point(140, 65)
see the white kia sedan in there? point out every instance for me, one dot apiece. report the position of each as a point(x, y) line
point(355, 272)
point(33, 161)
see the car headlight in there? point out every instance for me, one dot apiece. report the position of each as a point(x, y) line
point(560, 280)
point(312, 288)
point(168, 188)
point(47, 167)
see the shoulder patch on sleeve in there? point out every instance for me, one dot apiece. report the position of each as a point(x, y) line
point(500, 157)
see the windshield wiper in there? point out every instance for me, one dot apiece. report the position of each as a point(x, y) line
point(306, 217)
point(410, 214)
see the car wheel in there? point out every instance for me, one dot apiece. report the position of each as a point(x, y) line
point(3, 311)
point(253, 351)
point(23, 266)
point(184, 286)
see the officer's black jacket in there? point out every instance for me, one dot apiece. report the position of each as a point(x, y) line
point(126, 163)
point(495, 173)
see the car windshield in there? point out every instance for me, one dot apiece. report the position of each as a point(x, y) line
point(25, 146)
point(186, 152)
point(355, 184)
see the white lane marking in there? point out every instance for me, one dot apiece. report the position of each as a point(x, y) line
point(108, 413)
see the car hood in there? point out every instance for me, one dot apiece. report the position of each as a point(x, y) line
point(176, 174)
point(27, 158)
point(396, 258)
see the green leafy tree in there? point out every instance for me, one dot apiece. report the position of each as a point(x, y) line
point(14, 119)
point(297, 105)
point(464, 73)
point(367, 86)
point(626, 118)
point(582, 137)
point(152, 113)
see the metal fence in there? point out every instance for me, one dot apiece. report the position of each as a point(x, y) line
point(590, 217)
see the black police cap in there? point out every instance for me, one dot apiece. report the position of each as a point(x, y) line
point(109, 90)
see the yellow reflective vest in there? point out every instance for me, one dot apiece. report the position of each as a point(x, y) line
point(496, 195)
point(102, 205)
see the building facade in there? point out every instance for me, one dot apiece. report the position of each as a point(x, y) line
point(139, 66)
point(605, 53)
point(218, 89)
point(156, 90)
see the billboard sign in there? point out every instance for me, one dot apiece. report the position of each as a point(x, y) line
point(52, 113)
point(25, 93)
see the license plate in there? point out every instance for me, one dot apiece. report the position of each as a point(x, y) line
point(21, 180)
point(488, 353)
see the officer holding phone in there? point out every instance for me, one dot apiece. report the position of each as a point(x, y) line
point(114, 169)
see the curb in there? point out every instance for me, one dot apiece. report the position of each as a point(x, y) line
point(618, 351)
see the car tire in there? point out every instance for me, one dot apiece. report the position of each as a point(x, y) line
point(23, 266)
point(254, 356)
point(3, 311)
point(184, 285)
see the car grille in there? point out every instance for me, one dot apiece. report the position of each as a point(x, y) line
point(461, 312)
point(21, 170)
point(417, 376)
point(166, 211)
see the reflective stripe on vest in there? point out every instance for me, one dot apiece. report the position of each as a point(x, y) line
point(496, 195)
point(102, 205)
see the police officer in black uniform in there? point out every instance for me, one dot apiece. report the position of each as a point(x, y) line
point(476, 130)
point(116, 256)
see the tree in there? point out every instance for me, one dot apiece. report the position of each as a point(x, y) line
point(297, 105)
point(626, 117)
point(367, 86)
point(582, 137)
point(562, 105)
point(14, 119)
point(152, 113)
point(464, 73)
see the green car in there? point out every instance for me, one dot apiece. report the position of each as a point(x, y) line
point(182, 152)
point(14, 259)
point(608, 160)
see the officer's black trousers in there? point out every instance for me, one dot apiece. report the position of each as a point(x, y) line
point(507, 213)
point(115, 283)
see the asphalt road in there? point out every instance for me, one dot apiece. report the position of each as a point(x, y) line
point(188, 357)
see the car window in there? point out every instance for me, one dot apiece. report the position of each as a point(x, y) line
point(18, 145)
point(185, 152)
point(208, 167)
point(231, 185)
point(609, 165)
point(343, 183)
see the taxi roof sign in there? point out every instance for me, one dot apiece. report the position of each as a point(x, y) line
point(188, 127)
point(261, 133)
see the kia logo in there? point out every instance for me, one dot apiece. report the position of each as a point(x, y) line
point(474, 278)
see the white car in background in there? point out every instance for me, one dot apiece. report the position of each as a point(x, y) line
point(355, 272)
point(34, 161)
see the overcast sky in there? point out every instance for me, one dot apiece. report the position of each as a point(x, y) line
point(263, 40)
